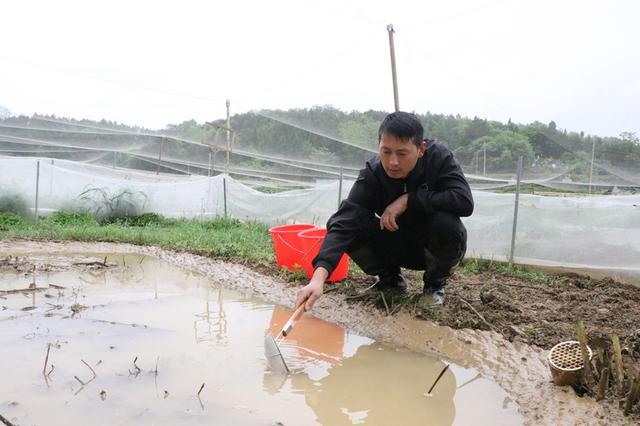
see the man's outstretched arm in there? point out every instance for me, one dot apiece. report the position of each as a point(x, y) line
point(312, 291)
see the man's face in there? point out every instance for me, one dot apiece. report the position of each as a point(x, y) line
point(399, 156)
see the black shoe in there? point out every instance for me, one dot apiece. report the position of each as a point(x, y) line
point(391, 281)
point(434, 288)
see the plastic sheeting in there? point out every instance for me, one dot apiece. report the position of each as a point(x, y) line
point(582, 232)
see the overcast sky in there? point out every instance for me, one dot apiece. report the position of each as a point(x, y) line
point(152, 63)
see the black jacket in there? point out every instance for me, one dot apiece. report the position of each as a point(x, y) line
point(435, 184)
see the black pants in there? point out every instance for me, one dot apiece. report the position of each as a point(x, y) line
point(434, 243)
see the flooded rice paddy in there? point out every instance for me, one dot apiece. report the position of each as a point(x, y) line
point(143, 341)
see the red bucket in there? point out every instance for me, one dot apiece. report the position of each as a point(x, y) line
point(288, 246)
point(311, 242)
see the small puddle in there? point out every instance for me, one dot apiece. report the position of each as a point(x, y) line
point(144, 315)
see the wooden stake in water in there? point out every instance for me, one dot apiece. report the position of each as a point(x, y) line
point(446, 367)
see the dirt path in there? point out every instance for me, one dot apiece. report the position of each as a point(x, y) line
point(519, 368)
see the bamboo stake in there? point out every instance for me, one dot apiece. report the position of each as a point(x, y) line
point(633, 395)
point(602, 385)
point(582, 337)
point(617, 354)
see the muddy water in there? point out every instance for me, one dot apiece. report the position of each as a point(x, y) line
point(143, 315)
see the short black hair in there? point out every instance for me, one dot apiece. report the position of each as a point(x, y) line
point(403, 125)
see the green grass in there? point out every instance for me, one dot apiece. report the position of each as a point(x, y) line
point(476, 266)
point(224, 238)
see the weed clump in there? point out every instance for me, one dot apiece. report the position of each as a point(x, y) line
point(144, 219)
point(109, 207)
point(65, 218)
point(14, 203)
point(11, 220)
point(222, 223)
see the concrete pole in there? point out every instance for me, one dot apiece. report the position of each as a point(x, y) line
point(160, 156)
point(515, 212)
point(484, 164)
point(340, 187)
point(593, 157)
point(226, 168)
point(224, 194)
point(37, 189)
point(394, 75)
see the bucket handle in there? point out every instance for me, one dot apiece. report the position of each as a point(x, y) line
point(319, 240)
point(283, 241)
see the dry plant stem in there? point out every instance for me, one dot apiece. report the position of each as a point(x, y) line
point(136, 369)
point(477, 313)
point(586, 361)
point(634, 392)
point(602, 385)
point(24, 290)
point(46, 359)
point(156, 370)
point(201, 387)
point(5, 421)
point(385, 302)
point(402, 305)
point(617, 355)
point(92, 372)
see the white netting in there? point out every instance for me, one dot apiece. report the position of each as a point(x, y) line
point(584, 232)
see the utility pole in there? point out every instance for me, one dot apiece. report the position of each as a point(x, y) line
point(484, 163)
point(393, 67)
point(226, 169)
point(160, 155)
point(515, 213)
point(593, 157)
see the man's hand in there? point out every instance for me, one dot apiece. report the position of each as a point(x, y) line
point(312, 291)
point(391, 213)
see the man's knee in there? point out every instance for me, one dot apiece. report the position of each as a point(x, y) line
point(446, 224)
point(447, 237)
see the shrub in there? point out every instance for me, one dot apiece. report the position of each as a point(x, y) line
point(221, 223)
point(10, 220)
point(144, 219)
point(14, 203)
point(71, 218)
point(109, 208)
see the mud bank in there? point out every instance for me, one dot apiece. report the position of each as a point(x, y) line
point(520, 369)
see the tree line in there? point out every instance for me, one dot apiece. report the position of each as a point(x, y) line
point(327, 135)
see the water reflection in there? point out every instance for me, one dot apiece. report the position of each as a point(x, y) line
point(194, 331)
point(211, 325)
point(348, 379)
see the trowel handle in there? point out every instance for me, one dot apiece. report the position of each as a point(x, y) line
point(288, 326)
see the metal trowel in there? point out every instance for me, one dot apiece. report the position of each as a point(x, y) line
point(275, 360)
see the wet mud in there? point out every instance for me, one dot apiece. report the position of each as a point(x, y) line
point(514, 364)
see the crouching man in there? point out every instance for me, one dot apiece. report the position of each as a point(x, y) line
point(403, 212)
